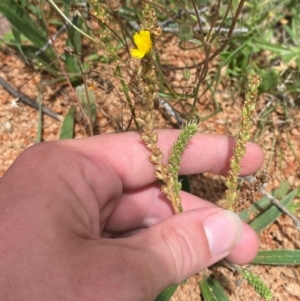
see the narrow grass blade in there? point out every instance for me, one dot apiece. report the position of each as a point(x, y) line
point(87, 99)
point(278, 257)
point(282, 190)
point(264, 203)
point(74, 40)
point(270, 215)
point(212, 290)
point(270, 80)
point(25, 29)
point(255, 209)
point(276, 48)
point(67, 129)
point(166, 294)
point(22, 22)
point(17, 38)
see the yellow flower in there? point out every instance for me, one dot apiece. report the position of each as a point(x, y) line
point(143, 43)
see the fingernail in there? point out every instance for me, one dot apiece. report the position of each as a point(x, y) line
point(223, 230)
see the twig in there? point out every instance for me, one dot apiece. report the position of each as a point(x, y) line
point(165, 25)
point(206, 29)
point(60, 31)
point(180, 13)
point(222, 29)
point(171, 112)
point(68, 21)
point(281, 207)
point(27, 100)
point(51, 39)
point(251, 179)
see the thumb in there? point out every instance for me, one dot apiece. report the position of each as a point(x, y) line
point(186, 243)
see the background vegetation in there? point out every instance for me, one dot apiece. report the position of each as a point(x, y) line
point(223, 42)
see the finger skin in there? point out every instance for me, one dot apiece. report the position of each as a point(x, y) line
point(130, 158)
point(58, 267)
point(247, 248)
point(148, 215)
point(59, 198)
point(119, 173)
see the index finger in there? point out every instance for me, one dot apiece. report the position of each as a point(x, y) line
point(127, 154)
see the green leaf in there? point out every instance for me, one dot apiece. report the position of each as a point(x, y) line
point(278, 257)
point(17, 38)
point(264, 203)
point(23, 2)
point(67, 129)
point(166, 294)
point(269, 80)
point(185, 30)
point(74, 40)
point(26, 28)
point(67, 3)
point(294, 207)
point(275, 48)
point(22, 22)
point(196, 41)
point(298, 192)
point(43, 61)
point(282, 190)
point(270, 215)
point(287, 53)
point(212, 290)
point(255, 209)
point(87, 99)
point(92, 57)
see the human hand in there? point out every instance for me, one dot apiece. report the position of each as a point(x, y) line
point(85, 220)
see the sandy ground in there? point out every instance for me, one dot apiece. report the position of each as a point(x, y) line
point(280, 141)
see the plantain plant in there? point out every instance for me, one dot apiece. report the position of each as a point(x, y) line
point(144, 86)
